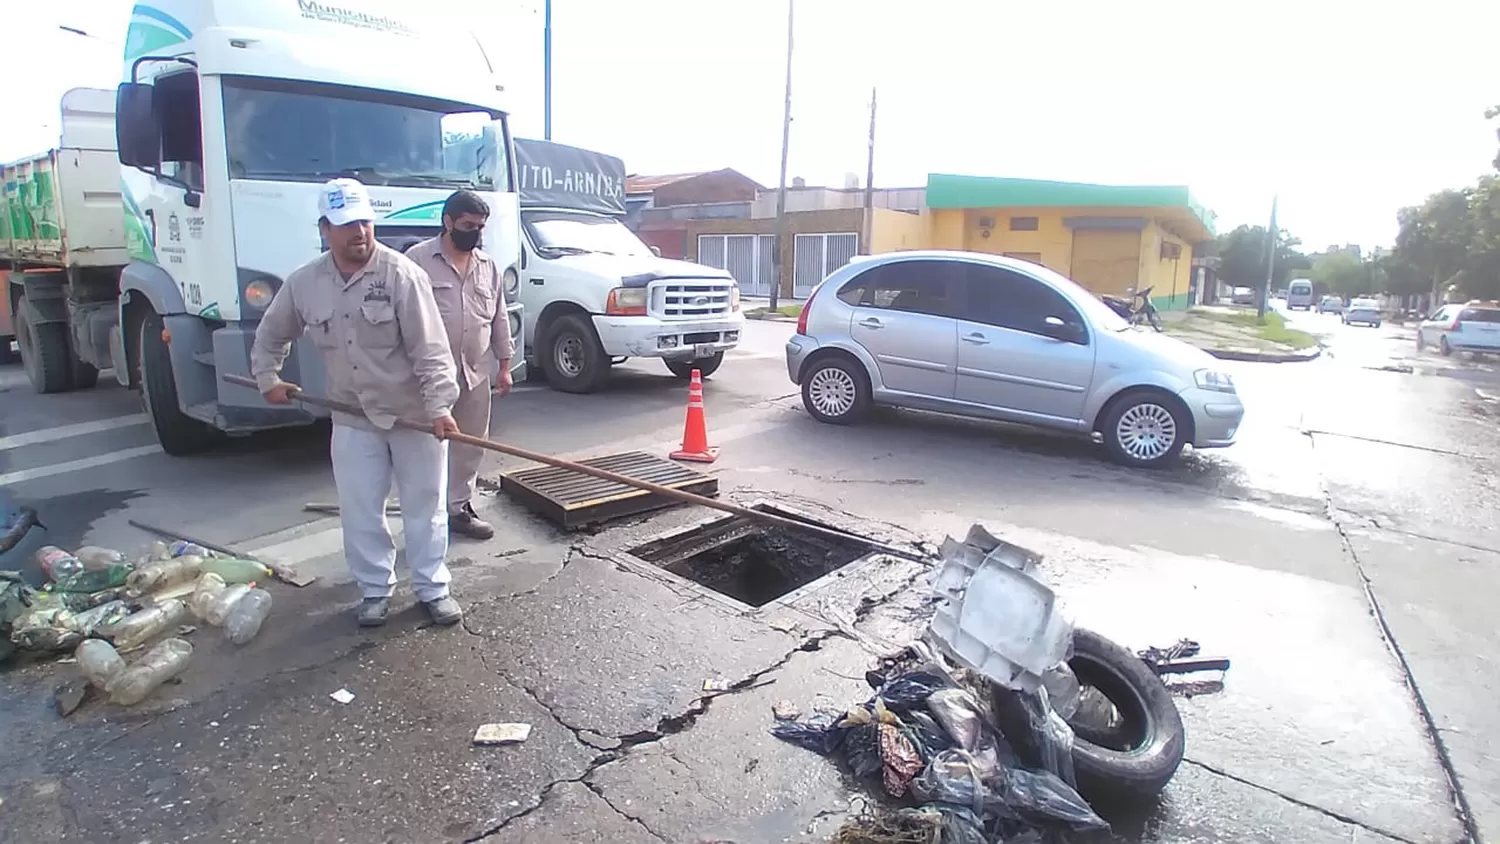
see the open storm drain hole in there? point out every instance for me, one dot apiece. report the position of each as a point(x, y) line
point(749, 561)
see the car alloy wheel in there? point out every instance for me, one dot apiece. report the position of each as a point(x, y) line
point(1146, 431)
point(832, 390)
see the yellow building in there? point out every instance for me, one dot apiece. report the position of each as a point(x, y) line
point(1108, 238)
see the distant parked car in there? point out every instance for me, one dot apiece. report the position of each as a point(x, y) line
point(1331, 305)
point(1243, 296)
point(1299, 294)
point(1364, 311)
point(1470, 327)
point(983, 335)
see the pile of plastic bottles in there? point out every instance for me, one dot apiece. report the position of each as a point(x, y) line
point(99, 605)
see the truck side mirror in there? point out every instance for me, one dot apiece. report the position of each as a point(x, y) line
point(137, 135)
point(656, 250)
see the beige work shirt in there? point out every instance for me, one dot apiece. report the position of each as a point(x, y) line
point(379, 333)
point(473, 309)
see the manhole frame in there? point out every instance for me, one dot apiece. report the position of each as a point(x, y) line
point(646, 568)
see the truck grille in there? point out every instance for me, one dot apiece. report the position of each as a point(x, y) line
point(689, 299)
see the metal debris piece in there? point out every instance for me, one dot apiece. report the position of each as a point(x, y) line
point(493, 734)
point(716, 684)
point(342, 696)
point(1181, 658)
point(69, 695)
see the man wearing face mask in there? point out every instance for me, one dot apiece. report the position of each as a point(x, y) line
point(470, 296)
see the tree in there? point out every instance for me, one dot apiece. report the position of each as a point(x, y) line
point(1435, 237)
point(1342, 273)
point(1242, 255)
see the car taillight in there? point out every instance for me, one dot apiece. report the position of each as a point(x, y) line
point(1455, 325)
point(802, 315)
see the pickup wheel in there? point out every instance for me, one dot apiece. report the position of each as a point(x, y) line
point(572, 356)
point(705, 366)
point(178, 433)
point(45, 353)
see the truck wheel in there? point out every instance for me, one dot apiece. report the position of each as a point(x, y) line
point(705, 366)
point(178, 433)
point(44, 352)
point(572, 356)
point(85, 375)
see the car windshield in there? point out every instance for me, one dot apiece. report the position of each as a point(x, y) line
point(562, 231)
point(1100, 315)
point(309, 132)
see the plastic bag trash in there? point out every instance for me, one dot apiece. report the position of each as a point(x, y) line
point(953, 777)
point(819, 733)
point(912, 689)
point(862, 750)
point(959, 713)
point(1039, 793)
point(900, 758)
point(1051, 734)
point(927, 734)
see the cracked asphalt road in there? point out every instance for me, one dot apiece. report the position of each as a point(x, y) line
point(1358, 487)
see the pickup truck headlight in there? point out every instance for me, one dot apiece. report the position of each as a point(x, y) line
point(259, 293)
point(511, 283)
point(626, 301)
point(1212, 379)
point(734, 297)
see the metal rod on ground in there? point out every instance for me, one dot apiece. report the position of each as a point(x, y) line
point(280, 572)
point(606, 475)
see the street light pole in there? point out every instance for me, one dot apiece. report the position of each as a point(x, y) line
point(1265, 294)
point(869, 223)
point(786, 137)
point(547, 70)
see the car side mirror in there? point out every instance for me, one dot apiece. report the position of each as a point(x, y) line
point(656, 250)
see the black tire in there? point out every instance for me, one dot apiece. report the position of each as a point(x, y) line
point(45, 352)
point(836, 390)
point(705, 366)
point(1375, 325)
point(85, 375)
point(1443, 348)
point(178, 433)
point(1126, 765)
point(572, 356)
point(1155, 319)
point(1145, 409)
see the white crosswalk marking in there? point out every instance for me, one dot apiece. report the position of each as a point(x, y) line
point(77, 465)
point(63, 432)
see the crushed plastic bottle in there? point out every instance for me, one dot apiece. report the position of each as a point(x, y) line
point(154, 553)
point(111, 576)
point(56, 563)
point(248, 614)
point(100, 617)
point(99, 662)
point(223, 604)
point(208, 588)
point(165, 660)
point(139, 627)
point(183, 548)
point(96, 557)
point(164, 574)
point(235, 570)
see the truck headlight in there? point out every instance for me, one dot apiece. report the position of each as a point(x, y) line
point(510, 282)
point(259, 293)
point(626, 301)
point(1211, 379)
point(734, 297)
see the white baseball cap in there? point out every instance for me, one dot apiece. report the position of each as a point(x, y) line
point(344, 201)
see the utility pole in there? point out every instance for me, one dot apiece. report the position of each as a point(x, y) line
point(1265, 293)
point(547, 70)
point(786, 138)
point(869, 227)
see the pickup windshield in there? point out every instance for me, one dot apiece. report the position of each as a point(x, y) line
point(566, 232)
point(309, 132)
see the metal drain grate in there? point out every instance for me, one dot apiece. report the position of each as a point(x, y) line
point(573, 499)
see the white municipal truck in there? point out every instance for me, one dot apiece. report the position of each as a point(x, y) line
point(593, 293)
point(153, 237)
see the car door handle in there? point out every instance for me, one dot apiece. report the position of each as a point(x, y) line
point(977, 339)
point(871, 322)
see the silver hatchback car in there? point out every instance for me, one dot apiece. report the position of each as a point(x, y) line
point(981, 335)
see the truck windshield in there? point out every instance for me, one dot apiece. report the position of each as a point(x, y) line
point(309, 132)
point(560, 231)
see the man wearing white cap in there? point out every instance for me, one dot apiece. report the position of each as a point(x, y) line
point(371, 313)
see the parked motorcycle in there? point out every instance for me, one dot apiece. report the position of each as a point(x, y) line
point(1137, 310)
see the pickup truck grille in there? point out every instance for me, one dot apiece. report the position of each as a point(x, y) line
point(689, 299)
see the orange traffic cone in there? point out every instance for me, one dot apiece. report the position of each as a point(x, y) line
point(695, 445)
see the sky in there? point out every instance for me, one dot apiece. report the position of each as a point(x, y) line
point(1345, 111)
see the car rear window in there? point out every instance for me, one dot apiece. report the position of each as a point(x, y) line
point(1365, 304)
point(1479, 315)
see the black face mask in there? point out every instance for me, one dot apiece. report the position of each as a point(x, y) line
point(465, 241)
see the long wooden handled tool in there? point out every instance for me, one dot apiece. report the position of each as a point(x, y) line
point(604, 474)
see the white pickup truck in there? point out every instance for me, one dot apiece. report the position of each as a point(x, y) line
point(594, 294)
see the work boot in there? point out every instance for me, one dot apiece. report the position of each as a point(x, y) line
point(373, 611)
point(465, 522)
point(444, 610)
